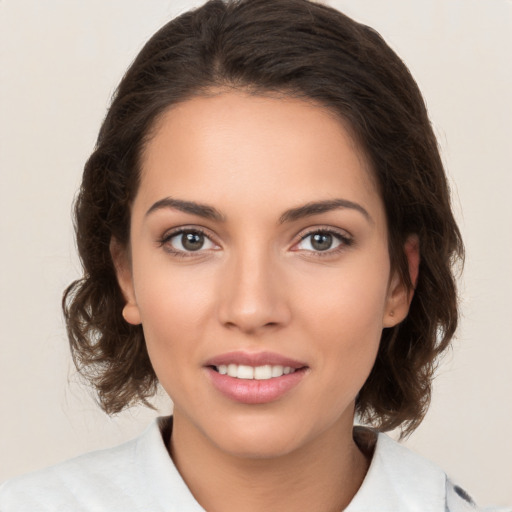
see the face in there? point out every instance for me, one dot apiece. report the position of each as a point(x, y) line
point(259, 269)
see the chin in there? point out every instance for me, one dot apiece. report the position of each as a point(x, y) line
point(257, 435)
point(259, 444)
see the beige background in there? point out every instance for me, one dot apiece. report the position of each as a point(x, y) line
point(60, 61)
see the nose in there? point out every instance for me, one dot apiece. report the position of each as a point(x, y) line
point(252, 295)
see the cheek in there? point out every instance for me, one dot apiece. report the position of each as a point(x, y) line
point(345, 321)
point(349, 302)
point(173, 305)
point(348, 336)
point(168, 292)
point(347, 342)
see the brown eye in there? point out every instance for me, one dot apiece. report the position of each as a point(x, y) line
point(323, 241)
point(187, 241)
point(192, 241)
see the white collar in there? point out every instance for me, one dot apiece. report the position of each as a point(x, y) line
point(159, 473)
point(398, 479)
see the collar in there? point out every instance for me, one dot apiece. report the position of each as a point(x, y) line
point(158, 472)
point(398, 479)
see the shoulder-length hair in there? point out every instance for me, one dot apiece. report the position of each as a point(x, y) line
point(300, 49)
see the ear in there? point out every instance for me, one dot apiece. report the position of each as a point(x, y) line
point(122, 265)
point(399, 295)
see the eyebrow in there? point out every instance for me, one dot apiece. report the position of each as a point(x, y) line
point(291, 215)
point(201, 210)
point(314, 208)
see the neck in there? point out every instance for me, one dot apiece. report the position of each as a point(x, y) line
point(323, 475)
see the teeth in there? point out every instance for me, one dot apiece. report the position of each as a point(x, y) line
point(242, 371)
point(277, 371)
point(263, 372)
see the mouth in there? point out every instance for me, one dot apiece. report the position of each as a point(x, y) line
point(255, 378)
point(246, 372)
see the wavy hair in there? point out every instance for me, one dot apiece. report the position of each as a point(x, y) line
point(300, 49)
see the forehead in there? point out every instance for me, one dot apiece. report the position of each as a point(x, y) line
point(254, 148)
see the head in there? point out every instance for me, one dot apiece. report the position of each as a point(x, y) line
point(296, 51)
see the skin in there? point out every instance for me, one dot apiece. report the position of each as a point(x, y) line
point(256, 286)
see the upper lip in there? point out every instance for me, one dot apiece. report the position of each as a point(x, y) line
point(254, 359)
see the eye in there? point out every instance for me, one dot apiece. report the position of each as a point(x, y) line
point(183, 241)
point(324, 241)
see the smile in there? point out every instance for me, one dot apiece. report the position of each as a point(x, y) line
point(255, 378)
point(265, 372)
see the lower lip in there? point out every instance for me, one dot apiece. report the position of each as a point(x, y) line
point(253, 391)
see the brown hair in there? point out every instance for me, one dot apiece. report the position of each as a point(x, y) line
point(305, 50)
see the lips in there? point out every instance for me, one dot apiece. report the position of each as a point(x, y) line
point(254, 378)
point(254, 359)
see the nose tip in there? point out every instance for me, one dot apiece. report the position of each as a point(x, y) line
point(249, 320)
point(253, 298)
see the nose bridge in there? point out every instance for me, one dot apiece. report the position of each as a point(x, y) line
point(252, 291)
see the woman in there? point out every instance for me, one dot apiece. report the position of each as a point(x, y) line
point(266, 231)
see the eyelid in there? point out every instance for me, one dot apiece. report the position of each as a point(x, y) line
point(171, 233)
point(345, 239)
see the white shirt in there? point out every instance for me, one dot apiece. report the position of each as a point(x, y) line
point(140, 476)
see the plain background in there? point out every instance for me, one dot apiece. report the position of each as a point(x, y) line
point(60, 62)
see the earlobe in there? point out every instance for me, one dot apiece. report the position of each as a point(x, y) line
point(122, 266)
point(131, 314)
point(400, 295)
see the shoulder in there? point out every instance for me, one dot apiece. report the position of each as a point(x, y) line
point(458, 500)
point(108, 479)
point(400, 480)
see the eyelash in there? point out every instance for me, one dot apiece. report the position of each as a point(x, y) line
point(163, 242)
point(346, 241)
